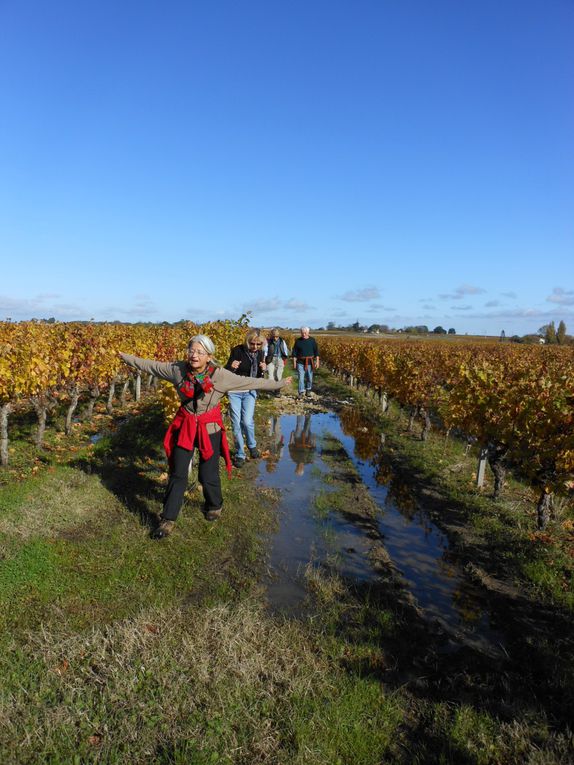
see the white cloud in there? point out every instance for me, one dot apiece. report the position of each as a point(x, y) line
point(460, 292)
point(361, 296)
point(272, 305)
point(296, 305)
point(46, 305)
point(511, 295)
point(143, 306)
point(561, 296)
point(140, 309)
point(467, 289)
point(264, 305)
point(492, 304)
point(38, 308)
point(378, 308)
point(47, 296)
point(461, 307)
point(523, 313)
point(206, 313)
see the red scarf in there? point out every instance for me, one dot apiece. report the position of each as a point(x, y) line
point(187, 388)
point(186, 427)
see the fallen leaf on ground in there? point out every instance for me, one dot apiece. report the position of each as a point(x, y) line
point(63, 667)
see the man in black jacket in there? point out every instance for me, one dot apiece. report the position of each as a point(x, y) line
point(305, 358)
point(247, 360)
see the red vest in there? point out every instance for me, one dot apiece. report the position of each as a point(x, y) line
point(186, 427)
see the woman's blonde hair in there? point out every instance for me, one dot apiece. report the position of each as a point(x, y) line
point(255, 334)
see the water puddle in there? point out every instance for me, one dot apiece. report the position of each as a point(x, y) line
point(113, 428)
point(418, 549)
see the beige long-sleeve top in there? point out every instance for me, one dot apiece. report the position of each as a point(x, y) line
point(223, 382)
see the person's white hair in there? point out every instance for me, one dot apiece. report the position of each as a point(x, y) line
point(204, 341)
point(305, 329)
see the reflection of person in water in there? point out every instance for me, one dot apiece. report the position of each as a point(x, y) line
point(276, 443)
point(302, 443)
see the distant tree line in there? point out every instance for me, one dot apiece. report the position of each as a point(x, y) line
point(547, 334)
point(384, 329)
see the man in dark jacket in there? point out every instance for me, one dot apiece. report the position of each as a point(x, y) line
point(305, 358)
point(247, 360)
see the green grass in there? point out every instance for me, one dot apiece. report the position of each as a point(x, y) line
point(326, 502)
point(355, 724)
point(115, 648)
point(75, 537)
point(221, 684)
point(31, 574)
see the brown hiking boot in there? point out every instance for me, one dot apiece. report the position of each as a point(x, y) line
point(164, 529)
point(213, 514)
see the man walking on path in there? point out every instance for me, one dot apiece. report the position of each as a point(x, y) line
point(305, 358)
point(277, 354)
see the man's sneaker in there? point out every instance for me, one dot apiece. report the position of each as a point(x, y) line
point(238, 462)
point(213, 514)
point(254, 453)
point(308, 393)
point(164, 529)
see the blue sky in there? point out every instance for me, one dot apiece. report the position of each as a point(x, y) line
point(386, 161)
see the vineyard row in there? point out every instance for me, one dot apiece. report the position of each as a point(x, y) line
point(51, 365)
point(516, 402)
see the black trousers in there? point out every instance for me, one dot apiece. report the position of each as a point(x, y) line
point(208, 478)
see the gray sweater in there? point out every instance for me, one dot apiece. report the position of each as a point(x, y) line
point(223, 382)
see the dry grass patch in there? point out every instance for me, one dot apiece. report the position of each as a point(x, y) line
point(63, 499)
point(224, 681)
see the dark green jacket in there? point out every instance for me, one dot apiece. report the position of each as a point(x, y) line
point(305, 347)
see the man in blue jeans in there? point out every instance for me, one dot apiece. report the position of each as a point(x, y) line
point(305, 358)
point(247, 360)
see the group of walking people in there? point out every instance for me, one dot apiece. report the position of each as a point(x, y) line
point(256, 364)
point(265, 357)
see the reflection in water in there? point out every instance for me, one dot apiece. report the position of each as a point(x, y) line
point(400, 496)
point(416, 546)
point(302, 443)
point(303, 536)
point(367, 447)
point(467, 603)
point(367, 440)
point(276, 443)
